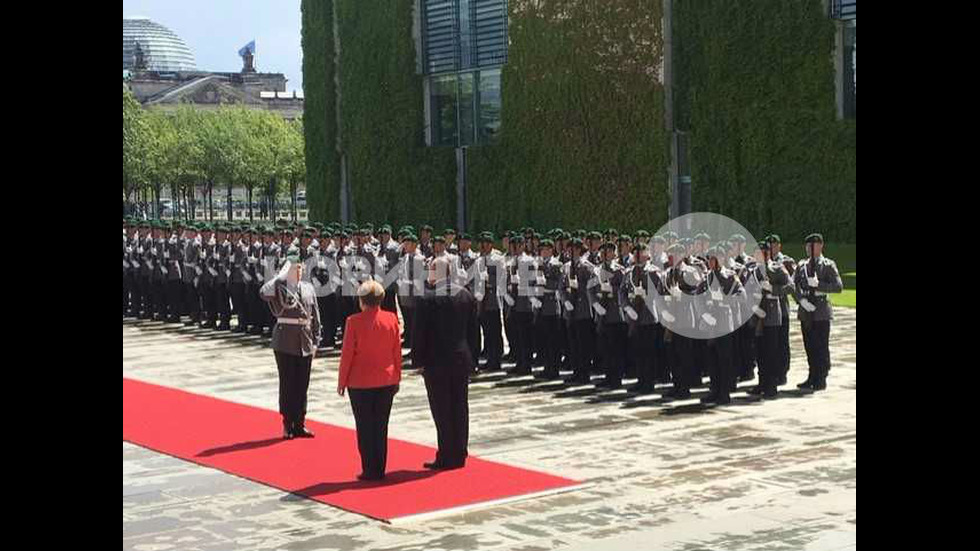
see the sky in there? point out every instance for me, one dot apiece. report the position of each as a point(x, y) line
point(215, 30)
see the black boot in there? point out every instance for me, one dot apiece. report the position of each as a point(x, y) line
point(299, 431)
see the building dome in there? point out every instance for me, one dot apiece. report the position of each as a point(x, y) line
point(163, 50)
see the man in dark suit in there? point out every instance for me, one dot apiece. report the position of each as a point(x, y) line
point(446, 326)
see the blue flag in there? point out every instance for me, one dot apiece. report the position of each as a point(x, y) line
point(250, 47)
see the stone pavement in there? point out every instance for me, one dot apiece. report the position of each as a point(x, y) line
point(773, 475)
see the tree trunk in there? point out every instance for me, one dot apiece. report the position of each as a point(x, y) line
point(211, 201)
point(249, 203)
point(292, 196)
point(230, 207)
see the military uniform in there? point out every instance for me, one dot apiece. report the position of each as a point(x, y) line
point(719, 316)
point(610, 319)
point(294, 339)
point(813, 279)
point(771, 280)
point(577, 302)
point(641, 289)
point(520, 311)
point(173, 258)
point(548, 284)
point(684, 282)
point(487, 291)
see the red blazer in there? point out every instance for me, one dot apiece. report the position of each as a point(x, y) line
point(372, 353)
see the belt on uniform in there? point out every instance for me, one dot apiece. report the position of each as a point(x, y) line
point(292, 321)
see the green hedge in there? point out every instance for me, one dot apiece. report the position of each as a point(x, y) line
point(755, 88)
point(319, 111)
point(394, 176)
point(582, 142)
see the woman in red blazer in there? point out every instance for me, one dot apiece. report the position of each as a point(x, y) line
point(371, 367)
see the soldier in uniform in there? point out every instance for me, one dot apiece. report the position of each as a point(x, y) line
point(129, 269)
point(642, 287)
point(410, 277)
point(269, 268)
point(683, 282)
point(239, 276)
point(173, 255)
point(295, 339)
point(326, 279)
point(577, 302)
point(610, 318)
point(191, 275)
point(776, 253)
point(594, 241)
point(490, 264)
point(391, 250)
point(815, 276)
point(222, 264)
point(724, 288)
point(772, 279)
point(550, 274)
point(520, 311)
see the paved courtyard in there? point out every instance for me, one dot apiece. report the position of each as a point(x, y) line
point(772, 475)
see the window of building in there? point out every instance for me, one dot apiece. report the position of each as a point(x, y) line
point(463, 45)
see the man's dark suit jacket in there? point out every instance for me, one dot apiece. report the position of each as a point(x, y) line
point(446, 328)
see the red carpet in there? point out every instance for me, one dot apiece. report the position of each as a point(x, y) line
point(246, 441)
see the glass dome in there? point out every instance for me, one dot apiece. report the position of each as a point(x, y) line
point(163, 50)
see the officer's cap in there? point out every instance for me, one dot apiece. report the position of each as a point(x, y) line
point(594, 235)
point(427, 228)
point(623, 238)
point(670, 235)
point(517, 238)
point(536, 235)
point(345, 235)
point(607, 245)
point(410, 237)
point(612, 231)
point(384, 229)
point(737, 238)
point(676, 249)
point(439, 239)
point(576, 242)
point(658, 239)
point(763, 245)
point(685, 241)
point(292, 254)
point(581, 234)
point(546, 243)
point(449, 231)
point(642, 233)
point(814, 238)
point(465, 237)
point(702, 237)
point(641, 247)
point(773, 238)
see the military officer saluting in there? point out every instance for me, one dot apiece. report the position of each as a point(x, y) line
point(815, 276)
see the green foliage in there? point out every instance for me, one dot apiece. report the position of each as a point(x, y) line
point(394, 177)
point(319, 109)
point(755, 88)
point(582, 142)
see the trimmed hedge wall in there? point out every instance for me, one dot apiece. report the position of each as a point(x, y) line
point(394, 177)
point(755, 88)
point(319, 111)
point(582, 141)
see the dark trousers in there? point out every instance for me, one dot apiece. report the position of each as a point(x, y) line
point(745, 335)
point(784, 345)
point(770, 358)
point(614, 351)
point(642, 345)
point(126, 285)
point(662, 374)
point(493, 339)
point(682, 362)
point(449, 403)
point(192, 301)
point(816, 342)
point(239, 304)
point(175, 300)
point(549, 331)
point(408, 316)
point(521, 345)
point(388, 303)
point(721, 365)
point(135, 295)
point(372, 408)
point(328, 320)
point(206, 291)
point(258, 313)
point(221, 302)
point(294, 381)
point(583, 347)
point(509, 331)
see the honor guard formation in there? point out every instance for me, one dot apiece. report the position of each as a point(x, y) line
point(662, 309)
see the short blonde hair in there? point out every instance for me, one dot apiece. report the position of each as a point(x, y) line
point(371, 293)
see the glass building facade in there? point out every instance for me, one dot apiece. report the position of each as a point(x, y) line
point(464, 46)
point(163, 50)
